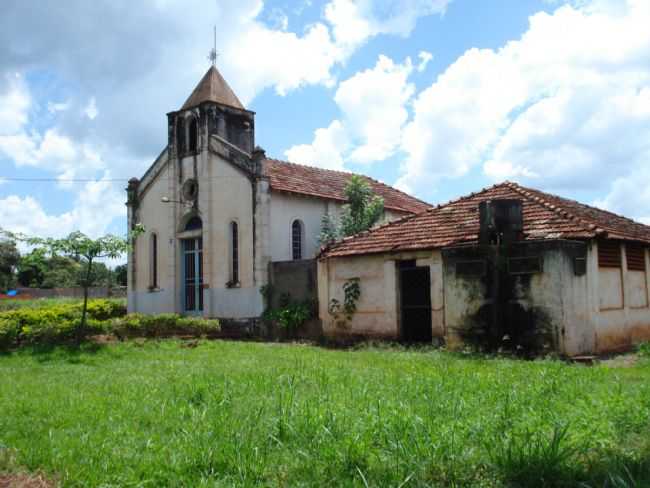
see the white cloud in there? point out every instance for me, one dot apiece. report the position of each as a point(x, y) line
point(14, 104)
point(425, 57)
point(373, 105)
point(91, 109)
point(566, 105)
point(354, 22)
point(326, 149)
point(95, 199)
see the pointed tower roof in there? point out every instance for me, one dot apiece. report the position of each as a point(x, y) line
point(213, 88)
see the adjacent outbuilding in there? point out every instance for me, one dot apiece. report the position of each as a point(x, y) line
point(507, 267)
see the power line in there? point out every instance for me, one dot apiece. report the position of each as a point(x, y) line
point(86, 180)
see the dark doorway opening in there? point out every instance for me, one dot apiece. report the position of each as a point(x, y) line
point(415, 302)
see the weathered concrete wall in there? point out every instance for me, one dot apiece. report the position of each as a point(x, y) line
point(225, 195)
point(157, 218)
point(618, 303)
point(377, 314)
point(293, 279)
point(490, 302)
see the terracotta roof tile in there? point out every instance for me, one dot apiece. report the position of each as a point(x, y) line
point(329, 184)
point(213, 88)
point(545, 216)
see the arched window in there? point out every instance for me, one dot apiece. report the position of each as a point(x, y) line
point(153, 256)
point(234, 252)
point(180, 135)
point(194, 134)
point(296, 239)
point(194, 223)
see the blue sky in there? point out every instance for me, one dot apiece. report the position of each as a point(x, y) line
point(438, 97)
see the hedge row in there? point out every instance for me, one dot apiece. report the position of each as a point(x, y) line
point(61, 323)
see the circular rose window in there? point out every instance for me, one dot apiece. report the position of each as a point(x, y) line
point(190, 189)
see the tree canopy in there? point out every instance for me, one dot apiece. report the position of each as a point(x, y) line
point(362, 210)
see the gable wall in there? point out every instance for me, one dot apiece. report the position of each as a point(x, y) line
point(156, 217)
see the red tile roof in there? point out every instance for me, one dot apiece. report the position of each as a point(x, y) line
point(545, 216)
point(213, 88)
point(329, 184)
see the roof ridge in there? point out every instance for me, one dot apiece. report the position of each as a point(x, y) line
point(562, 212)
point(407, 217)
point(370, 179)
point(366, 232)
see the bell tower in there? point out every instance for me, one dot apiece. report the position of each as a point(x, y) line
point(211, 109)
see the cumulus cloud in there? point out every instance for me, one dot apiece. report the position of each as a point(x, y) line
point(354, 21)
point(94, 199)
point(566, 105)
point(373, 107)
point(326, 149)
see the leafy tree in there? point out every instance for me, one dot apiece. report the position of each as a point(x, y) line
point(32, 268)
point(9, 259)
point(120, 273)
point(362, 210)
point(79, 245)
point(62, 271)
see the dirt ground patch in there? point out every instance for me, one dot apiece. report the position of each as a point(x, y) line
point(24, 481)
point(620, 361)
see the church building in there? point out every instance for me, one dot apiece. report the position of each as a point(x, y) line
point(218, 212)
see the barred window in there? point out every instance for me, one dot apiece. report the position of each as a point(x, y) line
point(234, 252)
point(296, 239)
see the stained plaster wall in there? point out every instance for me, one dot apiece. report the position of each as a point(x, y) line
point(618, 303)
point(377, 312)
point(546, 310)
point(225, 195)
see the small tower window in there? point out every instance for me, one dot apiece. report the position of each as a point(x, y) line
point(154, 261)
point(194, 133)
point(234, 252)
point(180, 135)
point(296, 239)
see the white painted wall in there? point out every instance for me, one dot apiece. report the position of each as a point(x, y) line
point(285, 208)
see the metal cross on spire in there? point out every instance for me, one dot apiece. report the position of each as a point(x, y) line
point(213, 52)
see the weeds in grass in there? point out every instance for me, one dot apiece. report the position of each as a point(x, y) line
point(249, 414)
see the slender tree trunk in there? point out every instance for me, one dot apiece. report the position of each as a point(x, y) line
point(86, 284)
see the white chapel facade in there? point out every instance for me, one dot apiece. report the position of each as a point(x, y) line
point(217, 211)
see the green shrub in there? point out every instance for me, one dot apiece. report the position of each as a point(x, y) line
point(162, 325)
point(644, 350)
point(60, 323)
point(57, 323)
point(290, 316)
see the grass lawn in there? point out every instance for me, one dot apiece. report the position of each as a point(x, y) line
point(249, 414)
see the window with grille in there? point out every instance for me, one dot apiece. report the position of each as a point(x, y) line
point(296, 239)
point(635, 256)
point(234, 252)
point(609, 254)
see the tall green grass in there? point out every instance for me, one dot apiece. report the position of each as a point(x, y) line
point(247, 414)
